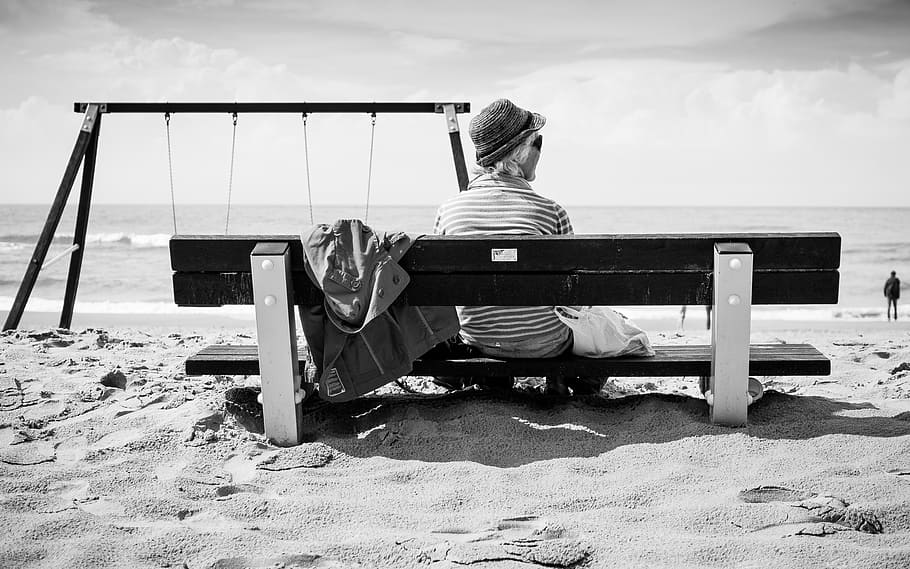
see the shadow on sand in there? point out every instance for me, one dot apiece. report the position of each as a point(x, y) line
point(507, 430)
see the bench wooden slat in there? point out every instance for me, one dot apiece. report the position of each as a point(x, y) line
point(691, 251)
point(515, 289)
point(691, 360)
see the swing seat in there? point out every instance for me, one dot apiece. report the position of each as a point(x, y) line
point(730, 272)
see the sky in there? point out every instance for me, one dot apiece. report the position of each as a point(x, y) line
point(649, 102)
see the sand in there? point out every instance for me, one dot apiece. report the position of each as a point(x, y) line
point(111, 457)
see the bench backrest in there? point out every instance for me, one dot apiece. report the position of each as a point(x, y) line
point(620, 270)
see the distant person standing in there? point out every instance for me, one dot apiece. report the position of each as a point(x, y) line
point(682, 316)
point(892, 293)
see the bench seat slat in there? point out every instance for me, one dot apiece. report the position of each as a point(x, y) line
point(691, 360)
point(532, 289)
point(635, 252)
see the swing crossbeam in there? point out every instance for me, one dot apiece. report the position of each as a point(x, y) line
point(85, 151)
point(327, 107)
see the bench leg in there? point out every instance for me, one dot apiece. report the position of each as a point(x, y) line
point(277, 338)
point(732, 317)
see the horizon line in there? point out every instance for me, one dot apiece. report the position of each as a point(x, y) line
point(411, 205)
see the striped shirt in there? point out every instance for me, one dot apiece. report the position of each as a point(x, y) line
point(506, 205)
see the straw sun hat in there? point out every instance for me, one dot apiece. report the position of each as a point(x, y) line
point(499, 127)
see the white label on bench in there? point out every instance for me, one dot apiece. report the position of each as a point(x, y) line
point(504, 255)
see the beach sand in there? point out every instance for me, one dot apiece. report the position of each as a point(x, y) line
point(111, 457)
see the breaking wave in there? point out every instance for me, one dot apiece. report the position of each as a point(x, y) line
point(134, 240)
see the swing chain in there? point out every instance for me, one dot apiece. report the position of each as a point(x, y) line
point(366, 214)
point(306, 156)
point(227, 219)
point(170, 168)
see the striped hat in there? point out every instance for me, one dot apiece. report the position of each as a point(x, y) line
point(500, 127)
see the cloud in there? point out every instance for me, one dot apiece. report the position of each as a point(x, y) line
point(617, 24)
point(39, 129)
point(653, 127)
point(657, 101)
point(897, 104)
point(642, 128)
point(429, 46)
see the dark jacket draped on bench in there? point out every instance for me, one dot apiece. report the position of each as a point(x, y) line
point(364, 334)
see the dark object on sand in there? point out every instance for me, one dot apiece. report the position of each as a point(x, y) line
point(242, 403)
point(114, 379)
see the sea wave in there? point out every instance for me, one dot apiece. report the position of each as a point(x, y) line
point(15, 241)
point(44, 280)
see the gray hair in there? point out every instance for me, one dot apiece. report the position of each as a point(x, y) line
point(511, 163)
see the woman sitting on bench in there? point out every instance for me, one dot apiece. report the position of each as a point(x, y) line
point(500, 200)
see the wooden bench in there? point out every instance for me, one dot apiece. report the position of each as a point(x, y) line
point(731, 272)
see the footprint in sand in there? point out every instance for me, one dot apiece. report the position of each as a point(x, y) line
point(811, 514)
point(119, 438)
point(71, 494)
point(73, 490)
point(72, 450)
point(28, 454)
point(137, 403)
point(296, 561)
point(765, 494)
point(194, 484)
point(64, 495)
point(169, 471)
point(229, 490)
point(241, 468)
point(101, 507)
point(208, 521)
point(307, 455)
point(527, 539)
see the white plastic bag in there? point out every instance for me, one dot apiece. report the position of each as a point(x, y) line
point(601, 332)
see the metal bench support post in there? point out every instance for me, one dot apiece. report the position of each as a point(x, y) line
point(732, 317)
point(277, 339)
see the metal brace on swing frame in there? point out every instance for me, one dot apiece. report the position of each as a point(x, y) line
point(455, 139)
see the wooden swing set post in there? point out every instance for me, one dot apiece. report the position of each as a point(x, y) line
point(86, 148)
point(85, 200)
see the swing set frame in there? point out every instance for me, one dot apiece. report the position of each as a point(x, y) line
point(84, 156)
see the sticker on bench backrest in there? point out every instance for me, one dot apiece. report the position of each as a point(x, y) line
point(333, 385)
point(504, 255)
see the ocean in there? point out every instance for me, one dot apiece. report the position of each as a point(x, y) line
point(126, 269)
